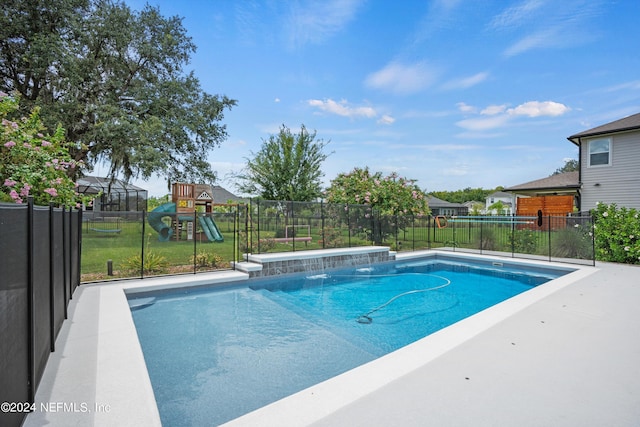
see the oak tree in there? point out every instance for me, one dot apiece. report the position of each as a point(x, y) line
point(114, 79)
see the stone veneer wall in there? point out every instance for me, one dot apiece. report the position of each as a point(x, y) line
point(319, 263)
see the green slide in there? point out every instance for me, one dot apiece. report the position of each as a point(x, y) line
point(210, 229)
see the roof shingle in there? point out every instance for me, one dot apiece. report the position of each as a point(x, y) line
point(628, 123)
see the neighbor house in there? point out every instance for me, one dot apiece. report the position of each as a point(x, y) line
point(609, 157)
point(554, 195)
point(222, 195)
point(493, 200)
point(442, 207)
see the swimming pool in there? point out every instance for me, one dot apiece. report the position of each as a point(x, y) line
point(215, 354)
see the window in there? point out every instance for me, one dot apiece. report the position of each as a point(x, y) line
point(600, 152)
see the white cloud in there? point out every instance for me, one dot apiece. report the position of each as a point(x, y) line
point(386, 120)
point(548, 24)
point(402, 78)
point(496, 116)
point(316, 21)
point(550, 37)
point(537, 109)
point(466, 82)
point(484, 123)
point(276, 100)
point(342, 108)
point(515, 15)
point(460, 170)
point(492, 110)
point(632, 85)
point(465, 108)
point(449, 147)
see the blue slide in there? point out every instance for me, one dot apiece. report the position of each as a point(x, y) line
point(210, 229)
point(155, 220)
point(165, 232)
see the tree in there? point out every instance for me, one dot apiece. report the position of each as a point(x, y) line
point(498, 206)
point(570, 165)
point(466, 195)
point(389, 195)
point(287, 167)
point(31, 162)
point(114, 79)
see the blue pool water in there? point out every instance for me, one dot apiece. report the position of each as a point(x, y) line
point(217, 353)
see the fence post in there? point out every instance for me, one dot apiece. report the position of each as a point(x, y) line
point(549, 234)
point(236, 227)
point(68, 258)
point(348, 225)
point(324, 240)
point(52, 266)
point(195, 241)
point(513, 236)
point(31, 374)
point(293, 224)
point(429, 231)
point(481, 229)
point(374, 236)
point(396, 229)
point(257, 230)
point(413, 232)
point(79, 243)
point(455, 236)
point(248, 229)
point(142, 246)
point(593, 240)
point(65, 267)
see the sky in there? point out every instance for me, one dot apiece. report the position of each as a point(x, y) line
point(450, 93)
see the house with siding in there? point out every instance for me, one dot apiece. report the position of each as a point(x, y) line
point(508, 203)
point(442, 207)
point(549, 192)
point(609, 157)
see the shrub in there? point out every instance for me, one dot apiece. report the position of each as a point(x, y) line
point(332, 238)
point(252, 246)
point(524, 241)
point(205, 259)
point(33, 163)
point(573, 242)
point(617, 233)
point(153, 264)
point(489, 240)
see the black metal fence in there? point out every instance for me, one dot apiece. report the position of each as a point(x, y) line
point(272, 226)
point(120, 245)
point(39, 271)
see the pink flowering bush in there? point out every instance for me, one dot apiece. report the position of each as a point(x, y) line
point(393, 200)
point(390, 195)
point(32, 163)
point(617, 233)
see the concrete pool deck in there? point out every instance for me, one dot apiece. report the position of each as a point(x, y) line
point(561, 355)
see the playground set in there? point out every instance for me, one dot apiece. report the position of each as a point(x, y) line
point(182, 213)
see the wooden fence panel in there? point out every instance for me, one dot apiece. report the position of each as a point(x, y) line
point(557, 206)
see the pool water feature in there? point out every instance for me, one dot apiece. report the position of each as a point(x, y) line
point(216, 354)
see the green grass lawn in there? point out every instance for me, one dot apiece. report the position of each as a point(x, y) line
point(125, 247)
point(176, 256)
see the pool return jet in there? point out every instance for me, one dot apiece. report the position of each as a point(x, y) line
point(366, 318)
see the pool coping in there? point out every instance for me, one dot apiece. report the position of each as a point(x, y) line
point(99, 361)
